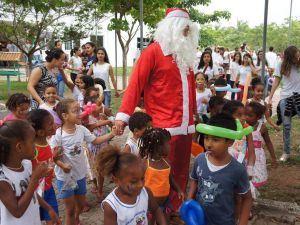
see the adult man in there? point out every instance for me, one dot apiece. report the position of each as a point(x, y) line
point(271, 57)
point(163, 72)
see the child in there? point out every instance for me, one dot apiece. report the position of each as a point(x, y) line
point(97, 124)
point(254, 112)
point(220, 82)
point(215, 105)
point(50, 95)
point(18, 104)
point(203, 95)
point(19, 203)
point(130, 201)
point(43, 123)
point(71, 168)
point(138, 123)
point(75, 63)
point(216, 176)
point(258, 92)
point(78, 89)
point(154, 148)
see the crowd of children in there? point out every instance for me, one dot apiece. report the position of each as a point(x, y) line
point(57, 140)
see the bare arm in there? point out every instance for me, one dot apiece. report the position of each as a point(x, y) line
point(245, 208)
point(111, 75)
point(34, 79)
point(176, 188)
point(100, 123)
point(110, 216)
point(156, 211)
point(269, 144)
point(90, 72)
point(251, 152)
point(54, 217)
point(67, 81)
point(101, 139)
point(127, 149)
point(274, 87)
point(193, 189)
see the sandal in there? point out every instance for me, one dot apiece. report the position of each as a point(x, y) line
point(86, 207)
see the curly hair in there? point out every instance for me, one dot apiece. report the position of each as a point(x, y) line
point(37, 118)
point(257, 108)
point(152, 141)
point(16, 100)
point(110, 160)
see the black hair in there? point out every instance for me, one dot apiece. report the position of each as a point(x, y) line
point(223, 120)
point(11, 131)
point(215, 101)
point(37, 118)
point(257, 108)
point(106, 59)
point(208, 49)
point(258, 59)
point(152, 141)
point(63, 107)
point(88, 81)
point(255, 82)
point(56, 42)
point(92, 45)
point(111, 161)
point(88, 98)
point(138, 120)
point(231, 107)
point(54, 53)
point(240, 60)
point(201, 63)
point(75, 49)
point(271, 48)
point(204, 75)
point(16, 100)
point(220, 82)
point(49, 86)
point(100, 82)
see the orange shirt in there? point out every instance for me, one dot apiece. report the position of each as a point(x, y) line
point(158, 180)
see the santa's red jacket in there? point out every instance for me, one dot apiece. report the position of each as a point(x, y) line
point(169, 95)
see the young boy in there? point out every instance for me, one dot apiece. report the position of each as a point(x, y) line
point(221, 82)
point(217, 177)
point(138, 123)
point(215, 105)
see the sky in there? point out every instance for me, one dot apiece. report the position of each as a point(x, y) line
point(252, 11)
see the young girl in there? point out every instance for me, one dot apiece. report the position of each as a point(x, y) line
point(234, 70)
point(154, 148)
point(97, 124)
point(130, 201)
point(19, 203)
point(71, 169)
point(203, 95)
point(254, 112)
point(258, 92)
point(75, 63)
point(50, 96)
point(43, 123)
point(102, 69)
point(78, 89)
point(18, 104)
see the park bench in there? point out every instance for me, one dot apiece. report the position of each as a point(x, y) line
point(14, 58)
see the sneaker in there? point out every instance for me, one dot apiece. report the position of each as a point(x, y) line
point(284, 157)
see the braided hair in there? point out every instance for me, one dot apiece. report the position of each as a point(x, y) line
point(152, 141)
point(11, 131)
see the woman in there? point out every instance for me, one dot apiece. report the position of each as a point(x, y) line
point(288, 72)
point(75, 63)
point(246, 68)
point(44, 75)
point(102, 69)
point(234, 70)
point(206, 66)
point(60, 81)
point(90, 50)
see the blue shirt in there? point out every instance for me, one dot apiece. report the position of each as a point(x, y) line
point(216, 190)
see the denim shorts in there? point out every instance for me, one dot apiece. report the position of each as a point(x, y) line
point(81, 190)
point(50, 198)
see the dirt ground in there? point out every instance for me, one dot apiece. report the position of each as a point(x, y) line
point(284, 181)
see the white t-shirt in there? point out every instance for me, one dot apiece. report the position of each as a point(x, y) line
point(19, 182)
point(290, 83)
point(129, 214)
point(78, 96)
point(46, 106)
point(76, 63)
point(234, 70)
point(73, 151)
point(201, 107)
point(272, 59)
point(133, 146)
point(210, 72)
point(102, 71)
point(243, 72)
point(259, 70)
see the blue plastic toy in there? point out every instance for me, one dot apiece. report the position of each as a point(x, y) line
point(227, 88)
point(192, 213)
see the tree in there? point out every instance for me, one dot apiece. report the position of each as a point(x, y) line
point(31, 21)
point(126, 18)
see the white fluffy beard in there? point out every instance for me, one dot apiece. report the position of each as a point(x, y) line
point(169, 35)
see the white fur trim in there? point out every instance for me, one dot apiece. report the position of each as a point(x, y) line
point(181, 130)
point(178, 13)
point(122, 116)
point(185, 97)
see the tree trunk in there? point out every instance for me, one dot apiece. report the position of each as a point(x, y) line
point(28, 66)
point(124, 73)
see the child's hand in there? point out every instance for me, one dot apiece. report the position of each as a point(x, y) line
point(274, 163)
point(109, 123)
point(40, 171)
point(57, 153)
point(181, 196)
point(277, 128)
point(114, 131)
point(66, 167)
point(54, 217)
point(205, 100)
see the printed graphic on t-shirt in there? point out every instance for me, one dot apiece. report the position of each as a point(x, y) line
point(209, 190)
point(76, 150)
point(140, 220)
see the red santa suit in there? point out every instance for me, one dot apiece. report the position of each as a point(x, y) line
point(169, 98)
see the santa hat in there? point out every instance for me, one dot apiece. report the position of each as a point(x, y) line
point(177, 12)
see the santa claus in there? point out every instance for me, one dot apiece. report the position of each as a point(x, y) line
point(164, 73)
